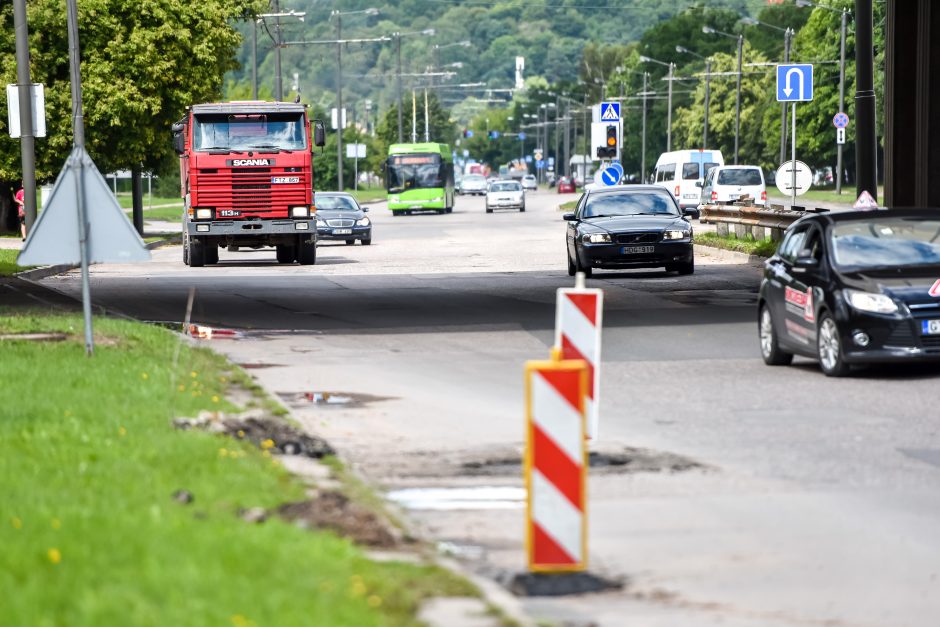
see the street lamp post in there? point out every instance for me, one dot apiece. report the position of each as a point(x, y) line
point(278, 44)
point(643, 141)
point(339, 88)
point(737, 102)
point(708, 88)
point(398, 35)
point(669, 78)
point(787, 41)
point(844, 20)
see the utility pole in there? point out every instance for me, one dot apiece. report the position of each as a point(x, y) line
point(643, 141)
point(866, 139)
point(708, 95)
point(567, 165)
point(398, 83)
point(278, 87)
point(25, 92)
point(557, 109)
point(339, 101)
point(669, 110)
point(787, 42)
point(737, 102)
point(427, 125)
point(841, 99)
point(254, 60)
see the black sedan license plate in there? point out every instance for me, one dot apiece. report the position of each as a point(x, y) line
point(636, 250)
point(342, 231)
point(930, 327)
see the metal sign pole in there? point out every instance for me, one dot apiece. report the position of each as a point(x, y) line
point(76, 162)
point(793, 158)
point(25, 91)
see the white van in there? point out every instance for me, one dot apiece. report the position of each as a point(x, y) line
point(683, 172)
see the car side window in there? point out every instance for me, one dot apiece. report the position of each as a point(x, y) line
point(580, 208)
point(793, 244)
point(812, 243)
point(665, 172)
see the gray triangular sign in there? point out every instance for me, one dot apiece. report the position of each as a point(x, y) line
point(54, 237)
point(865, 201)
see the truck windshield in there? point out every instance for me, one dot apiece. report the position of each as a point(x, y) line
point(266, 131)
point(414, 172)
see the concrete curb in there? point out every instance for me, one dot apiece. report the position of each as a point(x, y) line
point(44, 272)
point(493, 593)
point(728, 255)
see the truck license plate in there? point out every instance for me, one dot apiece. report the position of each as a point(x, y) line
point(930, 327)
point(636, 250)
point(342, 231)
point(285, 179)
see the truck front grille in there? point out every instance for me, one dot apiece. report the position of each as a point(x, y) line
point(249, 190)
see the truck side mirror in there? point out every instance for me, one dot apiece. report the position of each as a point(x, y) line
point(319, 134)
point(179, 142)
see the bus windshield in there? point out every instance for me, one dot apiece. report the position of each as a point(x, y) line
point(264, 131)
point(417, 171)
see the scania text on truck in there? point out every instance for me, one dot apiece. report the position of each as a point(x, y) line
point(247, 179)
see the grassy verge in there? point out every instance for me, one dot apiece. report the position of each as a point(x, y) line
point(166, 214)
point(367, 195)
point(127, 201)
point(847, 197)
point(763, 248)
point(568, 206)
point(8, 262)
point(91, 534)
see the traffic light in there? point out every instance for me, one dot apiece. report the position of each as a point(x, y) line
point(609, 149)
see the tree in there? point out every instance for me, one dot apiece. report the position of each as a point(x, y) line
point(142, 63)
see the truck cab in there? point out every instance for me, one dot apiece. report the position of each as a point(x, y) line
point(247, 179)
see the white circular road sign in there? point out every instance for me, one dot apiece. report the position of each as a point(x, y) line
point(804, 178)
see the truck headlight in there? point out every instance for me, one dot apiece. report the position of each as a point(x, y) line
point(676, 234)
point(596, 238)
point(204, 213)
point(302, 211)
point(363, 222)
point(870, 301)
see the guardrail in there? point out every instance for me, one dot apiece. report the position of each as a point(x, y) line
point(750, 220)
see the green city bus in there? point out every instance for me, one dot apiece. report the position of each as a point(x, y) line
point(419, 177)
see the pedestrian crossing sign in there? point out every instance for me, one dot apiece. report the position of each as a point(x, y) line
point(610, 112)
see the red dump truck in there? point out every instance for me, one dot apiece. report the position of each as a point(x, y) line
point(247, 179)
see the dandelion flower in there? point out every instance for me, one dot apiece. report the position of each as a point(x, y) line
point(215, 398)
point(267, 444)
point(16, 522)
point(193, 374)
point(374, 600)
point(144, 376)
point(54, 555)
point(56, 523)
point(122, 431)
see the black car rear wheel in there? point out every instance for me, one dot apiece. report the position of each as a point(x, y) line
point(587, 270)
point(769, 346)
point(571, 267)
point(829, 348)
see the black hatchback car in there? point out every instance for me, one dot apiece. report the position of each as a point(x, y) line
point(339, 217)
point(854, 287)
point(628, 226)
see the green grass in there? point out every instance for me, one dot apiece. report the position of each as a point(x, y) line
point(126, 201)
point(827, 195)
point(366, 195)
point(166, 214)
point(90, 533)
point(763, 248)
point(8, 262)
point(568, 206)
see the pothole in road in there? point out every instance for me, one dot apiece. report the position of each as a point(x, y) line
point(299, 400)
point(714, 298)
point(470, 498)
point(629, 460)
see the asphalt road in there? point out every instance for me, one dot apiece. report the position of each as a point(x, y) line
point(816, 501)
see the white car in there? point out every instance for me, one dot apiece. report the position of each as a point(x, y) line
point(529, 182)
point(505, 195)
point(473, 184)
point(729, 183)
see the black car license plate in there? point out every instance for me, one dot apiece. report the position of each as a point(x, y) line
point(930, 327)
point(342, 231)
point(637, 250)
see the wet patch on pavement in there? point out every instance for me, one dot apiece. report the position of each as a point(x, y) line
point(713, 298)
point(299, 400)
point(463, 498)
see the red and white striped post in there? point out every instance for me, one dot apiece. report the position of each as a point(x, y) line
point(556, 465)
point(578, 323)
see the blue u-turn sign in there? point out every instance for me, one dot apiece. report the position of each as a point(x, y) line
point(795, 82)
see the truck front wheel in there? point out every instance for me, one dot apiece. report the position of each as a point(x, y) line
point(307, 250)
point(197, 252)
point(285, 253)
point(212, 252)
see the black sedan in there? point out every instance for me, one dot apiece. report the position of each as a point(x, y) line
point(629, 226)
point(852, 288)
point(339, 217)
